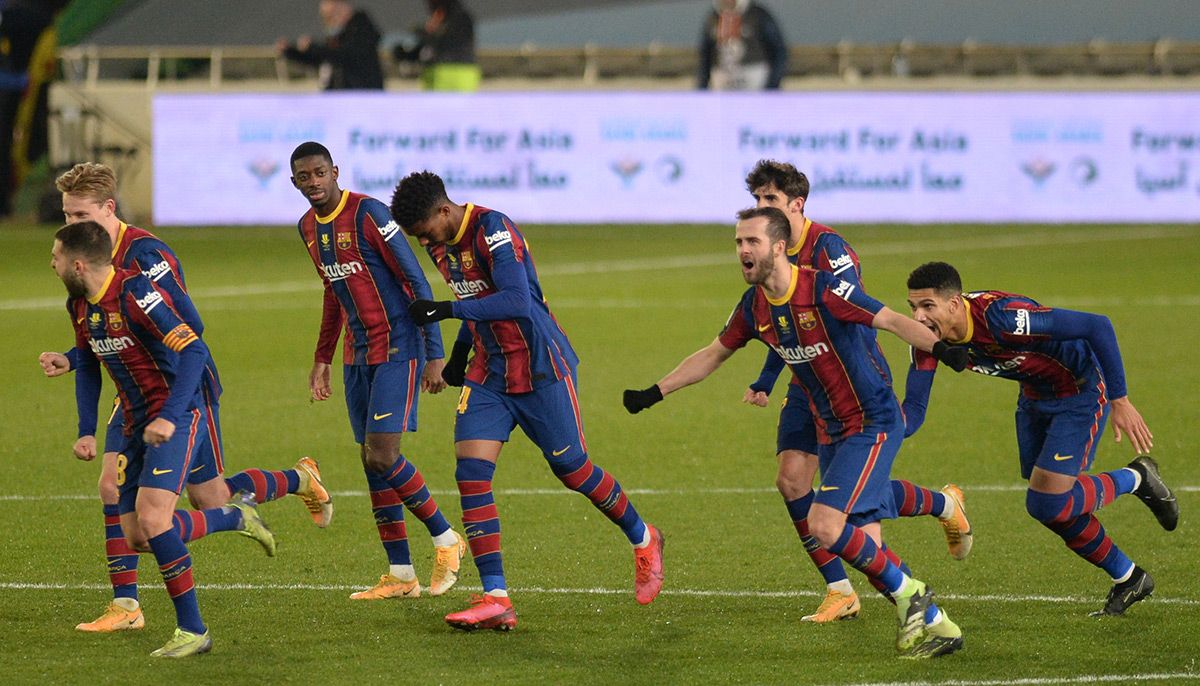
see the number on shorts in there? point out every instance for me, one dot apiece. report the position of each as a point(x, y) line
point(122, 463)
point(462, 399)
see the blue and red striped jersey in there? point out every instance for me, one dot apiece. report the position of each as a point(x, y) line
point(139, 249)
point(135, 332)
point(822, 330)
point(1013, 337)
point(371, 276)
point(518, 343)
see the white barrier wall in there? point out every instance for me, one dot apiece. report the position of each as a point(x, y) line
point(682, 157)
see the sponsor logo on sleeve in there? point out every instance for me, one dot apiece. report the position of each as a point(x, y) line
point(158, 271)
point(843, 289)
point(498, 238)
point(1023, 327)
point(841, 264)
point(388, 230)
point(149, 301)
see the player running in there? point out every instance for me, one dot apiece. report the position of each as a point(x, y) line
point(89, 194)
point(782, 186)
point(157, 360)
point(523, 373)
point(819, 325)
point(1072, 377)
point(370, 276)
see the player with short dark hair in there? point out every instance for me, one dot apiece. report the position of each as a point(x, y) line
point(370, 275)
point(809, 244)
point(89, 193)
point(1071, 375)
point(157, 360)
point(523, 373)
point(818, 324)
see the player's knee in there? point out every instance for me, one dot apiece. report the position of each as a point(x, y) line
point(826, 530)
point(377, 460)
point(1046, 507)
point(110, 493)
point(791, 487)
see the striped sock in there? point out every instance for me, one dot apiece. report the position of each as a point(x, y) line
point(175, 563)
point(122, 560)
point(263, 484)
point(192, 525)
point(828, 564)
point(1090, 493)
point(481, 521)
point(389, 519)
point(914, 501)
point(410, 486)
point(857, 548)
point(581, 476)
point(1085, 535)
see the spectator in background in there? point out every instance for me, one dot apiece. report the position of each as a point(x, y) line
point(25, 31)
point(348, 59)
point(741, 48)
point(445, 48)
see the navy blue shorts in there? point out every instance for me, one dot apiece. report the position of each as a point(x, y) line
point(549, 416)
point(856, 475)
point(797, 429)
point(382, 398)
point(165, 466)
point(1060, 435)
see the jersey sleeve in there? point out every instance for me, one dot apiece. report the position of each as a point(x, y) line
point(87, 379)
point(769, 374)
point(739, 328)
point(146, 306)
point(391, 243)
point(331, 326)
point(917, 386)
point(1022, 321)
point(846, 301)
point(158, 263)
point(834, 255)
point(503, 247)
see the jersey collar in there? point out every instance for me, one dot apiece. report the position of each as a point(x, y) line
point(803, 235)
point(337, 210)
point(462, 228)
point(791, 289)
point(104, 287)
point(120, 237)
point(970, 322)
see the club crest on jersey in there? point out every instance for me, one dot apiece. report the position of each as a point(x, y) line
point(95, 320)
point(324, 241)
point(115, 322)
point(783, 324)
point(806, 320)
point(343, 240)
point(468, 260)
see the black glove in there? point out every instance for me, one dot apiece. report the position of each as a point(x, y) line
point(953, 356)
point(636, 401)
point(455, 371)
point(425, 311)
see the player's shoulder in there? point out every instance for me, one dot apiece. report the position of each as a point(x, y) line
point(493, 229)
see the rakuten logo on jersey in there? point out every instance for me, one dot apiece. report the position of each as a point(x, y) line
point(801, 354)
point(341, 270)
point(468, 289)
point(499, 238)
point(157, 271)
point(110, 346)
point(149, 301)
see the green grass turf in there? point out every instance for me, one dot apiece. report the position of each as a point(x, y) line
point(635, 300)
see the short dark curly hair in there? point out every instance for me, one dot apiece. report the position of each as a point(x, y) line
point(791, 181)
point(939, 276)
point(86, 240)
point(416, 196)
point(309, 149)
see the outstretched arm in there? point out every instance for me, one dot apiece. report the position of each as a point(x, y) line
point(693, 369)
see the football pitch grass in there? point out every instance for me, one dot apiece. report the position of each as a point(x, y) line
point(635, 301)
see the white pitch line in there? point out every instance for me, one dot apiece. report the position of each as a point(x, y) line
point(683, 592)
point(987, 488)
point(1039, 681)
point(690, 262)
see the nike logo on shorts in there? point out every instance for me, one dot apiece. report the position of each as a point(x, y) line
point(1060, 458)
point(828, 488)
point(159, 472)
point(556, 453)
point(383, 416)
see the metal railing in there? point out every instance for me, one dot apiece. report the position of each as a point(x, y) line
point(591, 64)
